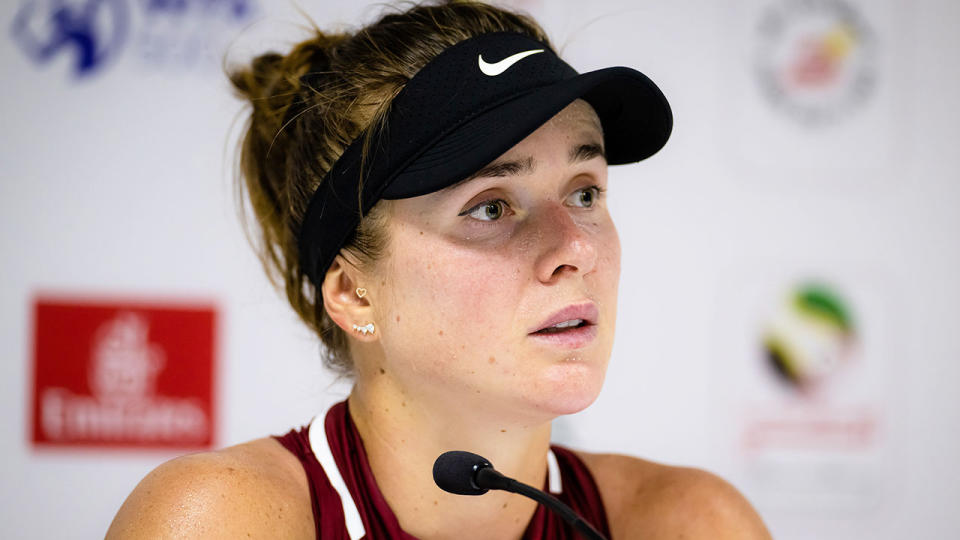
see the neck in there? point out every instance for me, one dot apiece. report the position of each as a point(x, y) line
point(404, 435)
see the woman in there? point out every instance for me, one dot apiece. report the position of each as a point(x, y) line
point(431, 192)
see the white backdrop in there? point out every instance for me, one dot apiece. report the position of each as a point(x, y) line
point(118, 182)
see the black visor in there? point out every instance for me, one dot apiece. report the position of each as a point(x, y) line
point(464, 109)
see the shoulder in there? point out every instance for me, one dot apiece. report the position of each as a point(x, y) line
point(256, 489)
point(650, 500)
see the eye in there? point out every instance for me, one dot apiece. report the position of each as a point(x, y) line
point(487, 211)
point(585, 197)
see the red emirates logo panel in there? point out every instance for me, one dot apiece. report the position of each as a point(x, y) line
point(123, 374)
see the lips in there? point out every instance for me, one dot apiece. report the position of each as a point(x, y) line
point(568, 319)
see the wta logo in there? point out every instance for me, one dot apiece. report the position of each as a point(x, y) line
point(93, 34)
point(123, 375)
point(93, 31)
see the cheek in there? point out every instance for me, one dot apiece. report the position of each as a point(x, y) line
point(442, 288)
point(607, 243)
point(475, 288)
point(610, 257)
point(606, 281)
point(450, 315)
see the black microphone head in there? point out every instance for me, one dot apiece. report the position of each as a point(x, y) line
point(455, 472)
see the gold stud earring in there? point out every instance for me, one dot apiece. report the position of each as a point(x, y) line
point(361, 292)
point(365, 329)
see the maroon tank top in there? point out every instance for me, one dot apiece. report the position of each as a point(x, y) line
point(347, 504)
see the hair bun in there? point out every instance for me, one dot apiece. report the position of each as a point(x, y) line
point(273, 82)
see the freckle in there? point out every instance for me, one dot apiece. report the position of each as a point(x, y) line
point(421, 233)
point(382, 371)
point(504, 505)
point(493, 360)
point(386, 409)
point(403, 403)
point(478, 391)
point(382, 283)
point(435, 503)
point(440, 333)
point(503, 431)
point(472, 372)
point(398, 318)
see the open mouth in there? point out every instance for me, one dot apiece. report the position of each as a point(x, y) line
point(572, 327)
point(564, 326)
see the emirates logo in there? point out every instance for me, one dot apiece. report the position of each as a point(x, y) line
point(135, 383)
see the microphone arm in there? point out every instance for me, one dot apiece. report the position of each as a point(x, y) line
point(489, 478)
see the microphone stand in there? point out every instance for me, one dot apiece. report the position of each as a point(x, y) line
point(490, 478)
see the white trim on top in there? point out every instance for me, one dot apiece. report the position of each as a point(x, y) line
point(554, 482)
point(321, 450)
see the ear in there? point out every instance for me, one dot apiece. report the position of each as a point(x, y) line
point(340, 298)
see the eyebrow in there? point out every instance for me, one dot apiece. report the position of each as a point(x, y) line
point(586, 152)
point(497, 169)
point(504, 168)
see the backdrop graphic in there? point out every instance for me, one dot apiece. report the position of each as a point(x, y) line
point(122, 374)
point(789, 295)
point(809, 388)
point(96, 33)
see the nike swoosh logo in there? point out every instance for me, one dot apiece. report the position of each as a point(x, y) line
point(499, 67)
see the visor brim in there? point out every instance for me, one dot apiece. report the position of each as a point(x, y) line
point(635, 115)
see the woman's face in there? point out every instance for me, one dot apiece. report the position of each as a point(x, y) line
point(501, 290)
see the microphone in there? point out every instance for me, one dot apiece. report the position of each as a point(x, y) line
point(464, 473)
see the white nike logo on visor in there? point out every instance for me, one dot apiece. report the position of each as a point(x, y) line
point(499, 67)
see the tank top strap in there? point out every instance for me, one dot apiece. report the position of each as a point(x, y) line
point(324, 498)
point(554, 477)
point(350, 457)
point(573, 484)
point(320, 445)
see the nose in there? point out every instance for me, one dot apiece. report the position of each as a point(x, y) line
point(565, 245)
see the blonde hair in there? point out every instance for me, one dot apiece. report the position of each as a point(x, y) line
point(342, 84)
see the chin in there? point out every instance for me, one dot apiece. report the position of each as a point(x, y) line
point(568, 389)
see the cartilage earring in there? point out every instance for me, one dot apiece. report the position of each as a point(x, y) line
point(361, 292)
point(365, 329)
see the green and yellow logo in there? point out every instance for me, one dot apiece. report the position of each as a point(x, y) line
point(810, 336)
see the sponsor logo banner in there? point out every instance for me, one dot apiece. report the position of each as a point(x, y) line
point(806, 359)
point(123, 374)
point(815, 94)
point(816, 60)
point(94, 34)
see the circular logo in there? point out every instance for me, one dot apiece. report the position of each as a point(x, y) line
point(815, 59)
point(811, 335)
point(94, 31)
